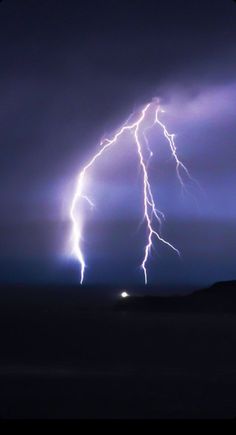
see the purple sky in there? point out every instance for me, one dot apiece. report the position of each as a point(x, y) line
point(71, 73)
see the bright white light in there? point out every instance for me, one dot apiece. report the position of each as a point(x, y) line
point(124, 295)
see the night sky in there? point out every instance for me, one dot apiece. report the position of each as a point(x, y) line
point(72, 72)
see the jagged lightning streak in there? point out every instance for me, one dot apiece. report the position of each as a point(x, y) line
point(150, 210)
point(148, 201)
point(171, 140)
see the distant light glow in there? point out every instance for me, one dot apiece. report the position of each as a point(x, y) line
point(153, 217)
point(124, 295)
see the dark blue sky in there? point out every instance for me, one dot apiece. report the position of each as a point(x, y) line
point(72, 72)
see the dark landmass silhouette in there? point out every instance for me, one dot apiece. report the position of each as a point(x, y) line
point(220, 297)
point(66, 352)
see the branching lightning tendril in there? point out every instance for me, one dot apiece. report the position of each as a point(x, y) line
point(151, 212)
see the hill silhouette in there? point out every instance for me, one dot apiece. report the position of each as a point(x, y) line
point(66, 354)
point(220, 297)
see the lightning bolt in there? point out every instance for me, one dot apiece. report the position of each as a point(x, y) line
point(171, 140)
point(151, 214)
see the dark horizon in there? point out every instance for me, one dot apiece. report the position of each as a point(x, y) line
point(72, 73)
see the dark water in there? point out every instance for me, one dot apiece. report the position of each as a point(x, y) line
point(63, 358)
